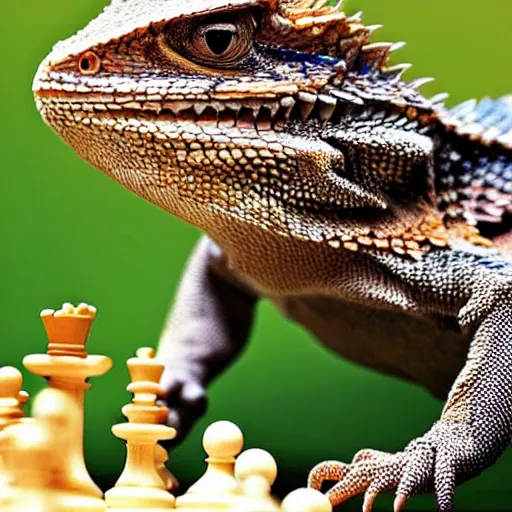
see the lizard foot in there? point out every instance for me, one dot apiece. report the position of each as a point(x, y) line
point(447, 455)
point(185, 396)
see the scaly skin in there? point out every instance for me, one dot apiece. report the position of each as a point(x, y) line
point(323, 182)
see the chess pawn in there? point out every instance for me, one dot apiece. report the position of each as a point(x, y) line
point(68, 368)
point(217, 488)
point(57, 414)
point(12, 399)
point(256, 470)
point(6, 477)
point(143, 485)
point(306, 500)
point(37, 466)
point(28, 460)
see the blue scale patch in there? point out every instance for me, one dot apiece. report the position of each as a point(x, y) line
point(491, 264)
point(362, 67)
point(308, 60)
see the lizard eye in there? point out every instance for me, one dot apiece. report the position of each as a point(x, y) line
point(215, 40)
point(215, 43)
point(89, 63)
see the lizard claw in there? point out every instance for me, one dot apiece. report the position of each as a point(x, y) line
point(400, 502)
point(369, 500)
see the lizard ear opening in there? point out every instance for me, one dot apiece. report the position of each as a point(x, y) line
point(217, 41)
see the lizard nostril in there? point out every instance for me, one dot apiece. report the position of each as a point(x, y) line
point(89, 63)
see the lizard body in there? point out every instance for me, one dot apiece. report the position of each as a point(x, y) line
point(324, 182)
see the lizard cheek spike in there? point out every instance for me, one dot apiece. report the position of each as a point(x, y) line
point(89, 63)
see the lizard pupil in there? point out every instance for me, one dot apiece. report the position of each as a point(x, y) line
point(218, 40)
point(211, 41)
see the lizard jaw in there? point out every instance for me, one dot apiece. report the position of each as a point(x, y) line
point(233, 156)
point(259, 114)
point(256, 104)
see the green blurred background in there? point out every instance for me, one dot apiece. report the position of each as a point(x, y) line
point(69, 233)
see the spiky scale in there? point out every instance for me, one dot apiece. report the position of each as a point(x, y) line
point(420, 82)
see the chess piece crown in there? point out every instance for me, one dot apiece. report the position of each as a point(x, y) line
point(145, 372)
point(67, 329)
point(68, 367)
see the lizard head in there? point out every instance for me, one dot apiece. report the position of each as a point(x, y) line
point(257, 110)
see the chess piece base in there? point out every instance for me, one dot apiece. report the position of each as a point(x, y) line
point(127, 499)
point(199, 502)
point(23, 500)
point(65, 502)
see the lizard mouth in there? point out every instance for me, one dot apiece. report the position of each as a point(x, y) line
point(262, 114)
point(222, 122)
point(223, 162)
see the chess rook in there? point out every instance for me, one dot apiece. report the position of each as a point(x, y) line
point(144, 482)
point(67, 366)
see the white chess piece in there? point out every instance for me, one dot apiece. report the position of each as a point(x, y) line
point(256, 470)
point(68, 368)
point(222, 441)
point(29, 461)
point(141, 485)
point(161, 458)
point(38, 457)
point(306, 500)
point(217, 488)
point(12, 399)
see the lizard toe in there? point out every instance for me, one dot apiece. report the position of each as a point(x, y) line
point(368, 454)
point(370, 476)
point(444, 480)
point(329, 470)
point(417, 472)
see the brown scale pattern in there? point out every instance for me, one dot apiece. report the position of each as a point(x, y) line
point(326, 31)
point(428, 233)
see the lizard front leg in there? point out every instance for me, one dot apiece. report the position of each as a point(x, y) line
point(476, 423)
point(206, 329)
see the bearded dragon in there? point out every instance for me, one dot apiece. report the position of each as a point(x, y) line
point(371, 215)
